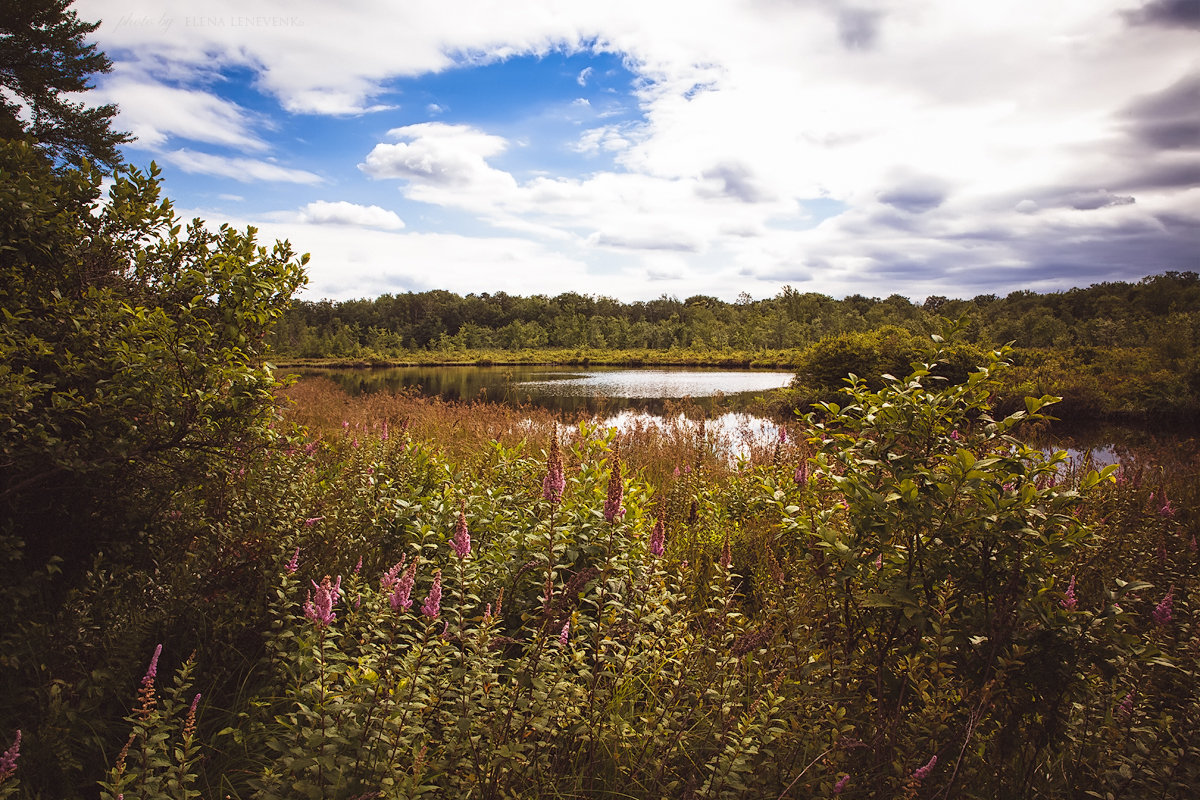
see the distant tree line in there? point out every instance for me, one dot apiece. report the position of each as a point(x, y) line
point(1160, 311)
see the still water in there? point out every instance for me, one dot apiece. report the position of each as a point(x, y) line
point(624, 397)
point(592, 390)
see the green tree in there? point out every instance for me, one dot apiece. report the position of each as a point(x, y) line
point(131, 353)
point(43, 59)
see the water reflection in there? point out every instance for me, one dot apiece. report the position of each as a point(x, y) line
point(594, 390)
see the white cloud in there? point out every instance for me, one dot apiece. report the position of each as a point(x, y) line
point(322, 212)
point(245, 170)
point(964, 139)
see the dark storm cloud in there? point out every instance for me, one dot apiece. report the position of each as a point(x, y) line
point(858, 28)
point(737, 182)
point(1167, 13)
point(1170, 119)
point(1171, 175)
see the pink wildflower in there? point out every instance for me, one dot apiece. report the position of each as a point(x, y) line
point(358, 566)
point(923, 772)
point(955, 435)
point(657, 538)
point(783, 435)
point(565, 634)
point(1192, 544)
point(801, 475)
point(840, 786)
point(1069, 600)
point(308, 523)
point(879, 561)
point(294, 564)
point(401, 597)
point(152, 669)
point(8, 761)
point(390, 578)
point(612, 504)
point(433, 603)
point(1125, 709)
point(1166, 509)
point(462, 537)
point(555, 481)
point(1162, 612)
point(319, 609)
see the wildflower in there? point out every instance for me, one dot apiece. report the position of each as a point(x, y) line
point(555, 481)
point(783, 435)
point(801, 475)
point(462, 538)
point(390, 578)
point(879, 561)
point(294, 564)
point(1125, 709)
point(401, 597)
point(358, 566)
point(1166, 509)
point(433, 603)
point(923, 772)
point(8, 761)
point(384, 435)
point(1192, 544)
point(676, 472)
point(1162, 612)
point(726, 556)
point(955, 435)
point(840, 786)
point(319, 609)
point(152, 669)
point(487, 615)
point(612, 504)
point(308, 523)
point(657, 537)
point(565, 634)
point(1069, 601)
point(189, 725)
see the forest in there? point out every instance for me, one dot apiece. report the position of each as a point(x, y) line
point(223, 584)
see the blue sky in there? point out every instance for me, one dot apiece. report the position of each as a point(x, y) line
point(639, 149)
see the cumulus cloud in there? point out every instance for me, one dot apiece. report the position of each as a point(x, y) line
point(956, 143)
point(245, 170)
point(153, 111)
point(323, 212)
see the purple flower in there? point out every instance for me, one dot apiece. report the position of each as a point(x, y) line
point(879, 561)
point(923, 772)
point(955, 435)
point(1069, 601)
point(555, 481)
point(783, 435)
point(319, 609)
point(152, 669)
point(401, 597)
point(462, 538)
point(612, 503)
point(801, 475)
point(390, 578)
point(840, 786)
point(433, 603)
point(308, 523)
point(358, 566)
point(294, 564)
point(565, 634)
point(1166, 509)
point(1162, 612)
point(8, 761)
point(1126, 707)
point(657, 538)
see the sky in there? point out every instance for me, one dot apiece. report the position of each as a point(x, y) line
point(640, 149)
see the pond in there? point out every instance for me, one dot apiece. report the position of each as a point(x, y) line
point(591, 390)
point(624, 397)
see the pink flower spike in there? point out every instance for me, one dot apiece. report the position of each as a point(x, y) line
point(358, 566)
point(658, 539)
point(1069, 601)
point(840, 786)
point(612, 504)
point(783, 435)
point(565, 634)
point(401, 597)
point(555, 481)
point(390, 578)
point(294, 564)
point(308, 523)
point(319, 608)
point(152, 670)
point(923, 773)
point(1162, 612)
point(8, 761)
point(433, 603)
point(461, 543)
